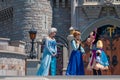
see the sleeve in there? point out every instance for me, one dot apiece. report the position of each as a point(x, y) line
point(104, 60)
point(48, 47)
point(74, 45)
point(56, 48)
point(82, 50)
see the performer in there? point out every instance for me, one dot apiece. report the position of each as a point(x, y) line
point(97, 55)
point(49, 52)
point(93, 38)
point(103, 63)
point(75, 65)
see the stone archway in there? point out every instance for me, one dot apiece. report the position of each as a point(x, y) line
point(98, 23)
point(62, 54)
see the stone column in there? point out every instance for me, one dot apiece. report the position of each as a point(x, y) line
point(39, 49)
point(65, 59)
point(57, 3)
point(70, 37)
point(63, 3)
point(73, 13)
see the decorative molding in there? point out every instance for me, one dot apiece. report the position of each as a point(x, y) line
point(98, 23)
point(92, 11)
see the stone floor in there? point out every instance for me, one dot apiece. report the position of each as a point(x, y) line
point(113, 77)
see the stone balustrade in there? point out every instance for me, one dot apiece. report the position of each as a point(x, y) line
point(96, 2)
point(11, 46)
point(92, 0)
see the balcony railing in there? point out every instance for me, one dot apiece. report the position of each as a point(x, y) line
point(116, 1)
point(95, 2)
point(92, 0)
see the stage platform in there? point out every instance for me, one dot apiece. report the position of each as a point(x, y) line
point(110, 77)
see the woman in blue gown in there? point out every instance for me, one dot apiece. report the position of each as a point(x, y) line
point(75, 65)
point(48, 59)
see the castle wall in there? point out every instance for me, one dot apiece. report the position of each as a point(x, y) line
point(87, 15)
point(62, 21)
point(62, 17)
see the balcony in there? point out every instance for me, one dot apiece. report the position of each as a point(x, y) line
point(101, 2)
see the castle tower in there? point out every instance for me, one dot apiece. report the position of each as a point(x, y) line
point(28, 13)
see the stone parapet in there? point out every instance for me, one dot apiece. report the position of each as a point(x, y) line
point(114, 77)
point(4, 41)
point(12, 46)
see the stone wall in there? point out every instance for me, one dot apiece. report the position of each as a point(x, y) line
point(5, 4)
point(62, 20)
point(12, 66)
point(12, 58)
point(28, 13)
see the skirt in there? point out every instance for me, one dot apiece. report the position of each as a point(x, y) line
point(75, 65)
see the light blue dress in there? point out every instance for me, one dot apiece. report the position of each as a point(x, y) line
point(47, 59)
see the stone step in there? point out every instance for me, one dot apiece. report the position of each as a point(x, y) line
point(86, 77)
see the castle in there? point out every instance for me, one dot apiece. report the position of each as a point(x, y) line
point(18, 16)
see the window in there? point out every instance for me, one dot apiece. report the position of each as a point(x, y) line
point(45, 21)
point(2, 0)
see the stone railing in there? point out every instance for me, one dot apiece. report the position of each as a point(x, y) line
point(92, 0)
point(12, 46)
point(96, 2)
point(116, 1)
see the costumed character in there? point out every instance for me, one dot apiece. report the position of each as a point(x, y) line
point(49, 52)
point(102, 63)
point(91, 40)
point(75, 65)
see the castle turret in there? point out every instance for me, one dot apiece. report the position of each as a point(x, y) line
point(28, 14)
